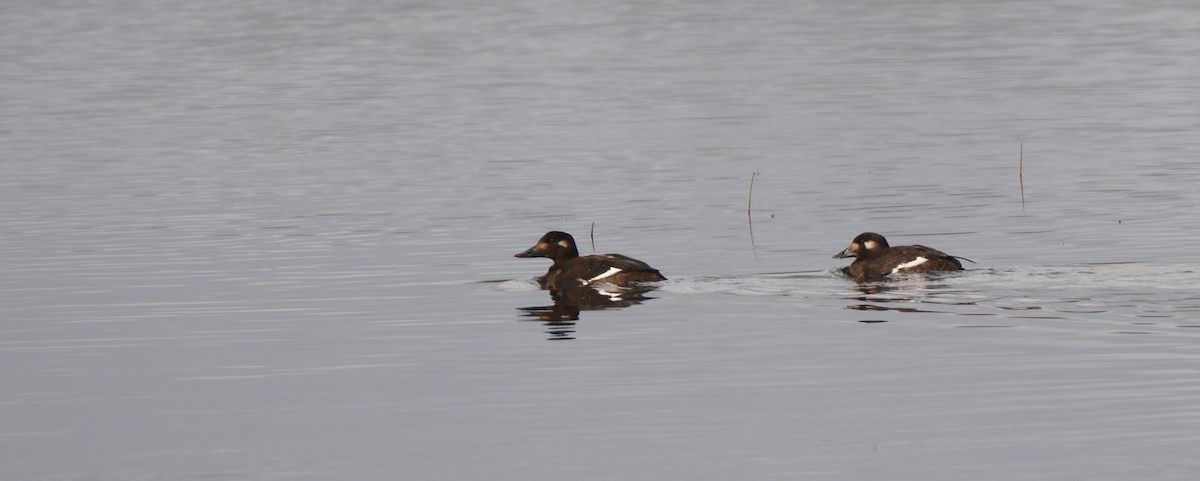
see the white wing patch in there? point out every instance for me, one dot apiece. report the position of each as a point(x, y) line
point(913, 263)
point(611, 295)
point(612, 271)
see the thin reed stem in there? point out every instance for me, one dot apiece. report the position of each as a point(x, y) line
point(1021, 174)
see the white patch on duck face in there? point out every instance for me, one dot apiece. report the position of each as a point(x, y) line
point(870, 245)
point(564, 243)
point(612, 271)
point(913, 263)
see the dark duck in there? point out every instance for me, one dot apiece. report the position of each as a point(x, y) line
point(874, 259)
point(572, 271)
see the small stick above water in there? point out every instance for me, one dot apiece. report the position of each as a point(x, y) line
point(750, 198)
point(749, 205)
point(592, 236)
point(1021, 174)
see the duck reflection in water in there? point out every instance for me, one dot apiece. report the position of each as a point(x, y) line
point(603, 281)
point(560, 317)
point(916, 293)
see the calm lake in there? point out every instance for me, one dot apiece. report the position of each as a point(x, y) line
point(274, 240)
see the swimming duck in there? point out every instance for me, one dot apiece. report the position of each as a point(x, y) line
point(875, 259)
point(570, 270)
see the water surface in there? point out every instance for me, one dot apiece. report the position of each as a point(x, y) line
point(274, 240)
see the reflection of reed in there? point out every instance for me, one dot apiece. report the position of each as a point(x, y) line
point(560, 317)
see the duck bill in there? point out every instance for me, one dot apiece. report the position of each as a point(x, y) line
point(531, 252)
point(843, 254)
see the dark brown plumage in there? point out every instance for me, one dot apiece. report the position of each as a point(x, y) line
point(570, 270)
point(874, 259)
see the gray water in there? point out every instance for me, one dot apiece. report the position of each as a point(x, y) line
point(274, 240)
